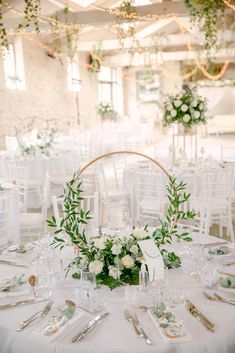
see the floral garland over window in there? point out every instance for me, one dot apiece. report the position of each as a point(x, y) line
point(186, 107)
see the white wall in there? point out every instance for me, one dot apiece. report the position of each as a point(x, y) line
point(170, 82)
point(46, 95)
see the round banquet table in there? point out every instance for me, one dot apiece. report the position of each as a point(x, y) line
point(115, 334)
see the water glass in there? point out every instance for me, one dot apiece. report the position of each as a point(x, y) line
point(43, 288)
point(87, 286)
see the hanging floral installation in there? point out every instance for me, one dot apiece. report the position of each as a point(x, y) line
point(208, 13)
point(64, 43)
point(126, 20)
point(94, 62)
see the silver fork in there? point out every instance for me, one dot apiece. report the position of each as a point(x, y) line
point(217, 298)
point(145, 336)
point(129, 318)
point(35, 316)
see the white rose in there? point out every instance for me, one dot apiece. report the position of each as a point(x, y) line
point(134, 249)
point(201, 106)
point(114, 272)
point(177, 103)
point(184, 108)
point(128, 261)
point(139, 233)
point(96, 266)
point(100, 244)
point(173, 113)
point(186, 118)
point(116, 249)
point(197, 115)
point(194, 103)
point(169, 107)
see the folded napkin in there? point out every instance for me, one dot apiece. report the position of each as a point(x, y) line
point(170, 327)
point(61, 319)
point(16, 285)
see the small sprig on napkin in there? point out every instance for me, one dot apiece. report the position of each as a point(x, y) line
point(165, 318)
point(228, 282)
point(60, 319)
point(222, 250)
point(8, 284)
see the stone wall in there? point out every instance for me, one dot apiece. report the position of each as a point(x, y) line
point(46, 95)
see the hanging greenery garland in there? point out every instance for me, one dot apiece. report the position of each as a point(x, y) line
point(31, 14)
point(207, 12)
point(3, 32)
point(126, 19)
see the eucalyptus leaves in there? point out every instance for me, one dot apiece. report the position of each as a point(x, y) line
point(114, 260)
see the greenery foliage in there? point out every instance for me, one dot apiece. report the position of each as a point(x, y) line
point(207, 12)
point(117, 261)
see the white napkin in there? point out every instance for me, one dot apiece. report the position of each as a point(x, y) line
point(38, 331)
point(185, 336)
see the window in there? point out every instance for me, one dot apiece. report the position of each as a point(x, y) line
point(74, 82)
point(14, 66)
point(108, 85)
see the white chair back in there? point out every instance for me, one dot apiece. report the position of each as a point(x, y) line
point(90, 202)
point(149, 191)
point(227, 154)
point(19, 175)
point(6, 204)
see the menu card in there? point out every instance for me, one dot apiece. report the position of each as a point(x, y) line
point(153, 259)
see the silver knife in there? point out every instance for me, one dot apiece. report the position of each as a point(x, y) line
point(21, 303)
point(47, 308)
point(92, 324)
point(198, 317)
point(200, 314)
point(13, 263)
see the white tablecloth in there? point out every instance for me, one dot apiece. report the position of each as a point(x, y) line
point(115, 334)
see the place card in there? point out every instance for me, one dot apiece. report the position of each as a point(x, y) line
point(153, 259)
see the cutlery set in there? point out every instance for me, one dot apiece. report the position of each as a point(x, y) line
point(40, 314)
point(217, 297)
point(89, 327)
point(199, 316)
point(134, 321)
point(13, 263)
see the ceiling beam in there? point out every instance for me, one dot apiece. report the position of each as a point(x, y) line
point(152, 28)
point(101, 17)
point(170, 40)
point(125, 60)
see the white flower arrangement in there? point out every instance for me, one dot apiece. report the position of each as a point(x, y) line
point(114, 260)
point(105, 107)
point(43, 144)
point(186, 107)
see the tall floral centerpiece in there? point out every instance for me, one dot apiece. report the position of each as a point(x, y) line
point(117, 260)
point(187, 110)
